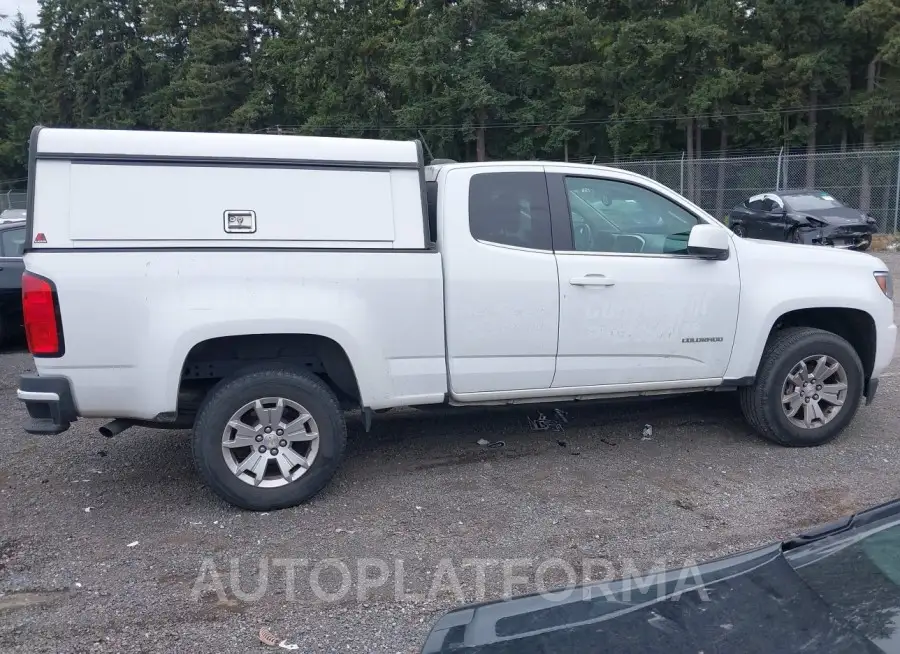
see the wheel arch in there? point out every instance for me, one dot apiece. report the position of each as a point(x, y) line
point(210, 359)
point(855, 326)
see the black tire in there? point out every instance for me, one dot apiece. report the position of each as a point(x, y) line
point(794, 236)
point(863, 246)
point(739, 230)
point(229, 395)
point(761, 403)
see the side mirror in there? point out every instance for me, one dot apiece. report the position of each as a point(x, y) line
point(709, 242)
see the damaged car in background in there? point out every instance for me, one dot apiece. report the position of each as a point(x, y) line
point(805, 216)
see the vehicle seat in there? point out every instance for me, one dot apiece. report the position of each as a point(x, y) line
point(508, 224)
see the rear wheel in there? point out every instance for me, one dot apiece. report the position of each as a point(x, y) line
point(269, 439)
point(808, 389)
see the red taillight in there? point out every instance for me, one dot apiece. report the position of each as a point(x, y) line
point(39, 310)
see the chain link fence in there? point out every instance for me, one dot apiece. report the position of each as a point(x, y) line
point(868, 180)
point(12, 200)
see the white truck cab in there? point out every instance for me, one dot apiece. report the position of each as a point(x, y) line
point(253, 287)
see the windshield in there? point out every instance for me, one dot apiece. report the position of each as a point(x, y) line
point(811, 201)
point(859, 578)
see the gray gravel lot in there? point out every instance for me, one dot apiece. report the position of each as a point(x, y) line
point(417, 489)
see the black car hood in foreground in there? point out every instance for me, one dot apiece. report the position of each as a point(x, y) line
point(836, 589)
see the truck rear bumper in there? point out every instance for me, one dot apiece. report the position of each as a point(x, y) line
point(49, 402)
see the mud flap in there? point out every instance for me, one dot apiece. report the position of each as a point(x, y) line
point(870, 389)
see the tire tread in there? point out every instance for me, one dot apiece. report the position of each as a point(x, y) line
point(309, 383)
point(755, 399)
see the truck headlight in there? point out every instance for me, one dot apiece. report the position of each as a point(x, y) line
point(886, 283)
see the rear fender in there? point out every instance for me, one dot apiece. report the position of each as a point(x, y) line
point(366, 377)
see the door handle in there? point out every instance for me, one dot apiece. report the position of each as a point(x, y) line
point(592, 280)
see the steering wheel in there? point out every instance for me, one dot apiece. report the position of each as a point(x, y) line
point(582, 235)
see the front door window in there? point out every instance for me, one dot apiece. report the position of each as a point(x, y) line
point(619, 217)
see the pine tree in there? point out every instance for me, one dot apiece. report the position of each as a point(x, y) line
point(456, 64)
point(109, 77)
point(17, 103)
point(214, 78)
point(556, 81)
point(875, 28)
point(478, 78)
point(54, 85)
point(800, 52)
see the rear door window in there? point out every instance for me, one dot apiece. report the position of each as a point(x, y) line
point(12, 242)
point(510, 209)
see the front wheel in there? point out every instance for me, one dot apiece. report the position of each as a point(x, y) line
point(269, 439)
point(809, 387)
point(863, 245)
point(740, 230)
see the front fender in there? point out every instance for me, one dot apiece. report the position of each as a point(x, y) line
point(745, 360)
point(778, 278)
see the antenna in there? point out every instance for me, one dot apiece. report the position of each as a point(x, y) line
point(425, 143)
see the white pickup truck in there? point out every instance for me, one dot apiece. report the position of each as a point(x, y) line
point(253, 288)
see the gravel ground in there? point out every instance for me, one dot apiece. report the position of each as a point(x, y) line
point(418, 489)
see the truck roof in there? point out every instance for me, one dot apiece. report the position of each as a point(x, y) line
point(431, 172)
point(96, 143)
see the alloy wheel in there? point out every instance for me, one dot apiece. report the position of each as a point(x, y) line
point(270, 442)
point(814, 392)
